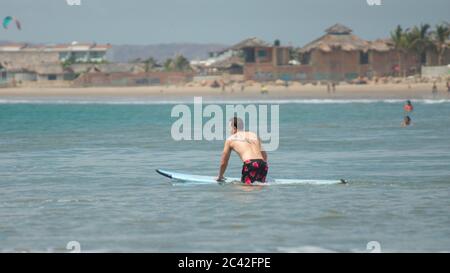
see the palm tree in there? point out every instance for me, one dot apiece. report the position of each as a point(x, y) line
point(441, 35)
point(418, 41)
point(398, 37)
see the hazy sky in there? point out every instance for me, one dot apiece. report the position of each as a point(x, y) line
point(210, 21)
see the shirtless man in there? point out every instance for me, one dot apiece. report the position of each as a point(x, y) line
point(248, 146)
point(406, 121)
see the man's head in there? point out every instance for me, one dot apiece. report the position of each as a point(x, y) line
point(236, 124)
point(407, 120)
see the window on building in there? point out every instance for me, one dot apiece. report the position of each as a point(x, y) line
point(423, 58)
point(64, 56)
point(96, 55)
point(80, 56)
point(52, 77)
point(305, 58)
point(262, 53)
point(363, 57)
point(249, 55)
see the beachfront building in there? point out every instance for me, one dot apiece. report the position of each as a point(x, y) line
point(265, 62)
point(23, 54)
point(3, 76)
point(25, 63)
point(432, 57)
point(339, 55)
point(253, 59)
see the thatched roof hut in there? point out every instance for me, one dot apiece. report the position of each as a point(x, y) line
point(250, 42)
point(337, 37)
point(381, 45)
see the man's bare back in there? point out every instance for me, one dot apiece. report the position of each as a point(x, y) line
point(248, 146)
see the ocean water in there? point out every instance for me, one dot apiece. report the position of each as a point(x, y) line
point(84, 170)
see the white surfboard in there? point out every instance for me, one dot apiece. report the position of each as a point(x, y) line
point(200, 179)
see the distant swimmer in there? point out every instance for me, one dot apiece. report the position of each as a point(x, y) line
point(408, 107)
point(406, 121)
point(248, 146)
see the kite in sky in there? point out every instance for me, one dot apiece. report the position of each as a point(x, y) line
point(8, 20)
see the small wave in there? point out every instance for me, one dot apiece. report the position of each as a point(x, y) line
point(215, 101)
point(88, 102)
point(221, 101)
point(305, 249)
point(54, 250)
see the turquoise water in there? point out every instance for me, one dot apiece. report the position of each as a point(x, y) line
point(84, 171)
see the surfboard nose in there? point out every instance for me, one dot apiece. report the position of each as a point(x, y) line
point(163, 173)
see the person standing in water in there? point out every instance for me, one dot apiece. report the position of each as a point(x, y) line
point(408, 107)
point(406, 121)
point(248, 146)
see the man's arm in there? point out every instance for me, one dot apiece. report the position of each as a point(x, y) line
point(263, 153)
point(224, 160)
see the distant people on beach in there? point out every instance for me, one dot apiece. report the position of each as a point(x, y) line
point(408, 107)
point(264, 89)
point(434, 89)
point(448, 87)
point(406, 121)
point(215, 84)
point(242, 88)
point(331, 87)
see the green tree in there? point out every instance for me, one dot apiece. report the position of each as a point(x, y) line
point(178, 63)
point(441, 35)
point(168, 64)
point(398, 37)
point(181, 63)
point(150, 63)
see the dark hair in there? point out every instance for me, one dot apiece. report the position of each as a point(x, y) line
point(407, 118)
point(237, 123)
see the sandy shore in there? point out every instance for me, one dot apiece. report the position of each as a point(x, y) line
point(295, 91)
